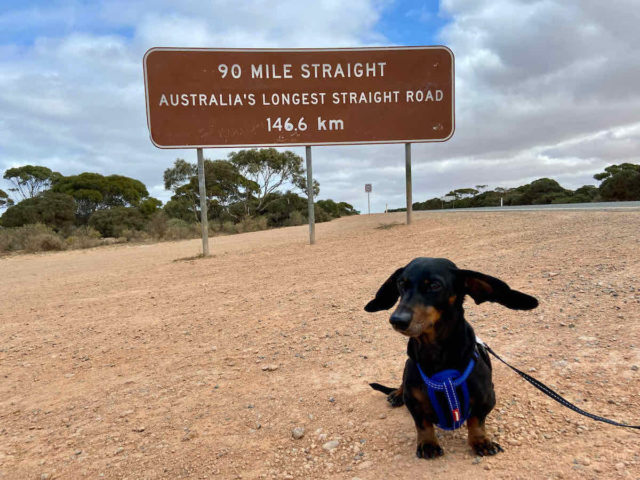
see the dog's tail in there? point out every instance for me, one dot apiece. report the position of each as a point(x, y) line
point(381, 388)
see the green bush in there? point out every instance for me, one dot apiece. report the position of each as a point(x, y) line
point(30, 238)
point(179, 229)
point(44, 242)
point(56, 210)
point(84, 237)
point(158, 224)
point(295, 218)
point(251, 224)
point(321, 214)
point(228, 227)
point(114, 221)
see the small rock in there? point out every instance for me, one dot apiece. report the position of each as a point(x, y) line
point(191, 434)
point(331, 445)
point(119, 450)
point(45, 476)
point(269, 368)
point(634, 368)
point(297, 433)
point(139, 429)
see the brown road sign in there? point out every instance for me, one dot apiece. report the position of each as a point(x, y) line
point(234, 98)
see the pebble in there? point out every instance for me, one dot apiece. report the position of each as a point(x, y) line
point(269, 368)
point(297, 433)
point(634, 368)
point(331, 445)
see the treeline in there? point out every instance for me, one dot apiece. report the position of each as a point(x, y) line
point(618, 183)
point(251, 190)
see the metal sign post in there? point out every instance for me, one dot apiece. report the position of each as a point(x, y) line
point(312, 216)
point(367, 188)
point(204, 218)
point(407, 161)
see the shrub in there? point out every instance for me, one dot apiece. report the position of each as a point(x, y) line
point(158, 224)
point(114, 221)
point(56, 210)
point(179, 229)
point(251, 224)
point(295, 218)
point(321, 214)
point(133, 235)
point(84, 237)
point(44, 242)
point(228, 227)
point(13, 239)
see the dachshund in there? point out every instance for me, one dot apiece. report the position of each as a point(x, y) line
point(447, 377)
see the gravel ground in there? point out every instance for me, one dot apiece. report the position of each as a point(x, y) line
point(141, 362)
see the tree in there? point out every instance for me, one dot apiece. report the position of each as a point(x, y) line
point(149, 206)
point(5, 201)
point(620, 182)
point(301, 183)
point(93, 192)
point(185, 199)
point(540, 191)
point(179, 174)
point(30, 180)
point(269, 169)
point(54, 209)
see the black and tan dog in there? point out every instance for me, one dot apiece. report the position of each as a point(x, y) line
point(430, 313)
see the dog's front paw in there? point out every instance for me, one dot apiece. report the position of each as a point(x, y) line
point(395, 398)
point(429, 450)
point(486, 447)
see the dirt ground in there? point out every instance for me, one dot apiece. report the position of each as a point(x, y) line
point(137, 362)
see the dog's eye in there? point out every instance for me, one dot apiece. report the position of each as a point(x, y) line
point(432, 286)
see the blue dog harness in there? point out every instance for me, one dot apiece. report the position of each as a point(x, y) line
point(449, 395)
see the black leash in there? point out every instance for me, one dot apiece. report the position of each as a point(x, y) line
point(547, 391)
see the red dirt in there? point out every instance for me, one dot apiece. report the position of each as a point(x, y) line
point(121, 362)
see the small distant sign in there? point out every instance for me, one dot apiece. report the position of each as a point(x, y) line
point(448, 198)
point(367, 187)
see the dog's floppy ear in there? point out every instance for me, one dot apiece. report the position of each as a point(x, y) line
point(483, 288)
point(387, 294)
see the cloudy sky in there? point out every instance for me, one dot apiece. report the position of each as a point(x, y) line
point(543, 88)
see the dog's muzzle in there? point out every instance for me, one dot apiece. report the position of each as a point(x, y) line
point(401, 318)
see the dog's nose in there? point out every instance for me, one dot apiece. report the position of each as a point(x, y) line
point(401, 319)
